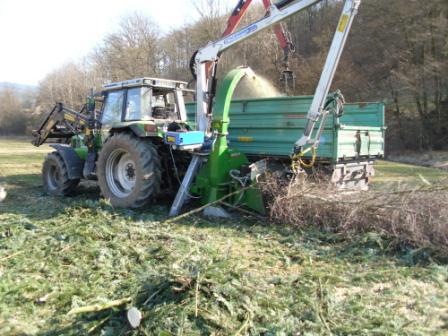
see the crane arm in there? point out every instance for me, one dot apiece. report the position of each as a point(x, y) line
point(283, 36)
point(238, 13)
point(277, 12)
point(236, 16)
point(349, 12)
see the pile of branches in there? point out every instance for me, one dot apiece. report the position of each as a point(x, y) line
point(416, 217)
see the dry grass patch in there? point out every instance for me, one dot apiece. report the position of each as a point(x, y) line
point(412, 216)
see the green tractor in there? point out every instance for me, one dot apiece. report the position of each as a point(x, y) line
point(121, 138)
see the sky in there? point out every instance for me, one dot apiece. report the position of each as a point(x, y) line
point(37, 36)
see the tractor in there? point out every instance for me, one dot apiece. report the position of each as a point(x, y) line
point(120, 139)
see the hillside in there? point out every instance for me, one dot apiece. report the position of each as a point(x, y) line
point(18, 88)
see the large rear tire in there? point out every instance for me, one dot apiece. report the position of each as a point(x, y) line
point(128, 171)
point(55, 176)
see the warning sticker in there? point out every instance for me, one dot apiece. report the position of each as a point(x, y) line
point(343, 23)
point(245, 139)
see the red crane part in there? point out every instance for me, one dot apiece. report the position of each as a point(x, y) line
point(279, 29)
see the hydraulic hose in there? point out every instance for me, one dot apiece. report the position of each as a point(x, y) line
point(193, 64)
point(283, 3)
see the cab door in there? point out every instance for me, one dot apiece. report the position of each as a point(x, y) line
point(112, 113)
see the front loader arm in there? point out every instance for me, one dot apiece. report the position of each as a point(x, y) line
point(61, 122)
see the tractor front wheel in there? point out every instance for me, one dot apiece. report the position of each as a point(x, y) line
point(129, 171)
point(55, 176)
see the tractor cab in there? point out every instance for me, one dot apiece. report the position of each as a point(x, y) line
point(143, 99)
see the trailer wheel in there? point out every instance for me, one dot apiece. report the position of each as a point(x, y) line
point(55, 176)
point(129, 171)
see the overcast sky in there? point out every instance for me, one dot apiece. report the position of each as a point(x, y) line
point(37, 36)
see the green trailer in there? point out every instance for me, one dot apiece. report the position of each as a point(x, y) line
point(269, 127)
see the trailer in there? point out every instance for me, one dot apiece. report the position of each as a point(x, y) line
point(349, 143)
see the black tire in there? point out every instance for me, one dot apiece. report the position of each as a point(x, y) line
point(129, 171)
point(55, 176)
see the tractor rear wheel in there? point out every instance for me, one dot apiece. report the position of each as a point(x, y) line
point(128, 171)
point(55, 176)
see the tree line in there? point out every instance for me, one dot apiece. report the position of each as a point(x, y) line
point(16, 110)
point(396, 52)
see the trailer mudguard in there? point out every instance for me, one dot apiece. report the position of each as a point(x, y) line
point(71, 159)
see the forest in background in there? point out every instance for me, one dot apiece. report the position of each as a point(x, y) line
point(397, 53)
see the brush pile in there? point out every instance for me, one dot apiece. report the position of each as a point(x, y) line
point(415, 217)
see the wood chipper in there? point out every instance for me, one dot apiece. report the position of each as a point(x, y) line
point(139, 139)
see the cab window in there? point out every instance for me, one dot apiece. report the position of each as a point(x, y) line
point(113, 107)
point(133, 105)
point(138, 104)
point(163, 105)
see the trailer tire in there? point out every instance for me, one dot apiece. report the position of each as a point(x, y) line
point(55, 177)
point(129, 171)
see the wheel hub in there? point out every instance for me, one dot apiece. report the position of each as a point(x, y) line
point(53, 177)
point(130, 171)
point(120, 173)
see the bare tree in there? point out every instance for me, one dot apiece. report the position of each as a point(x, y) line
point(69, 84)
point(13, 118)
point(131, 51)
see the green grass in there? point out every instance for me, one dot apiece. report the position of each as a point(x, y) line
point(392, 172)
point(200, 277)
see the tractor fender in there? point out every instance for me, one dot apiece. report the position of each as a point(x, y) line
point(136, 129)
point(71, 159)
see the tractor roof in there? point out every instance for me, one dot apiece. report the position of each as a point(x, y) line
point(146, 81)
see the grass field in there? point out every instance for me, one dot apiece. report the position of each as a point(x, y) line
point(201, 277)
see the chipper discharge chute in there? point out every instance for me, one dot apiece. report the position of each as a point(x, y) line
point(227, 170)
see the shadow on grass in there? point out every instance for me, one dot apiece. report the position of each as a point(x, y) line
point(156, 299)
point(25, 196)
